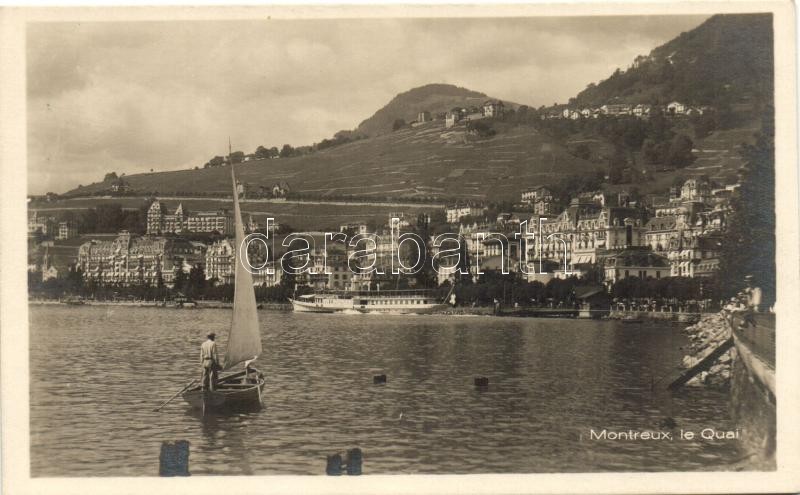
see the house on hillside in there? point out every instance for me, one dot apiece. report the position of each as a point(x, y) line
point(120, 186)
point(616, 109)
point(535, 194)
point(453, 117)
point(280, 189)
point(676, 108)
point(423, 117)
point(457, 212)
point(641, 110)
point(473, 113)
point(493, 108)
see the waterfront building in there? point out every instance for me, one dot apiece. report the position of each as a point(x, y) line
point(220, 264)
point(585, 229)
point(634, 262)
point(659, 231)
point(693, 256)
point(130, 260)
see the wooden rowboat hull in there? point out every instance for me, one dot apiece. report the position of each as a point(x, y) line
point(233, 391)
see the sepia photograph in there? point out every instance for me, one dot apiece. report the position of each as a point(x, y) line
point(354, 245)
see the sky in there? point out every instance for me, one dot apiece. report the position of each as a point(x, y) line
point(130, 97)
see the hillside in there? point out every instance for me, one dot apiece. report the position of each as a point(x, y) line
point(427, 162)
point(433, 98)
point(728, 58)
point(726, 62)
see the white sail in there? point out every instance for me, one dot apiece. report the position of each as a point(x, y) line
point(244, 339)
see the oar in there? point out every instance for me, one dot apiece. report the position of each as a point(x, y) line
point(177, 394)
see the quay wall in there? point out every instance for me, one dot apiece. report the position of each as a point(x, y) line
point(616, 314)
point(750, 377)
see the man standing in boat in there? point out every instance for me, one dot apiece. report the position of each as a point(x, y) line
point(209, 359)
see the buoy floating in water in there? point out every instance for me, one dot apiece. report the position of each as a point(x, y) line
point(378, 379)
point(481, 382)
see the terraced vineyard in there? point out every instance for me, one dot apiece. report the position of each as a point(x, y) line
point(427, 161)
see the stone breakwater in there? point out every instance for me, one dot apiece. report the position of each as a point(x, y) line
point(705, 336)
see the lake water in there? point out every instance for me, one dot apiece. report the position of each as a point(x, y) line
point(97, 373)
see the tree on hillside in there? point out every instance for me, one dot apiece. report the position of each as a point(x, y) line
point(398, 124)
point(617, 163)
point(582, 151)
point(704, 124)
point(109, 217)
point(214, 162)
point(110, 177)
point(655, 152)
point(286, 151)
point(262, 152)
point(237, 156)
point(680, 152)
point(749, 242)
point(481, 129)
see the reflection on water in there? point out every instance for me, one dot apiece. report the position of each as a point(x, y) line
point(98, 372)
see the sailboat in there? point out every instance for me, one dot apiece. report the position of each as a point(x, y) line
point(237, 388)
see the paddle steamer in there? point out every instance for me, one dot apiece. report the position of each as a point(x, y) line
point(386, 301)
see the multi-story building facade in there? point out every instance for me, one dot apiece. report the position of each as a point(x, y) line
point(220, 264)
point(586, 229)
point(131, 260)
point(457, 212)
point(493, 108)
point(41, 224)
point(160, 221)
point(67, 230)
point(634, 262)
point(535, 194)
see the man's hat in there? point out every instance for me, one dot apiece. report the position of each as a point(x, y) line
point(211, 335)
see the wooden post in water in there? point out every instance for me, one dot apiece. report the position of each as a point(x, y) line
point(481, 382)
point(354, 458)
point(174, 459)
point(334, 465)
